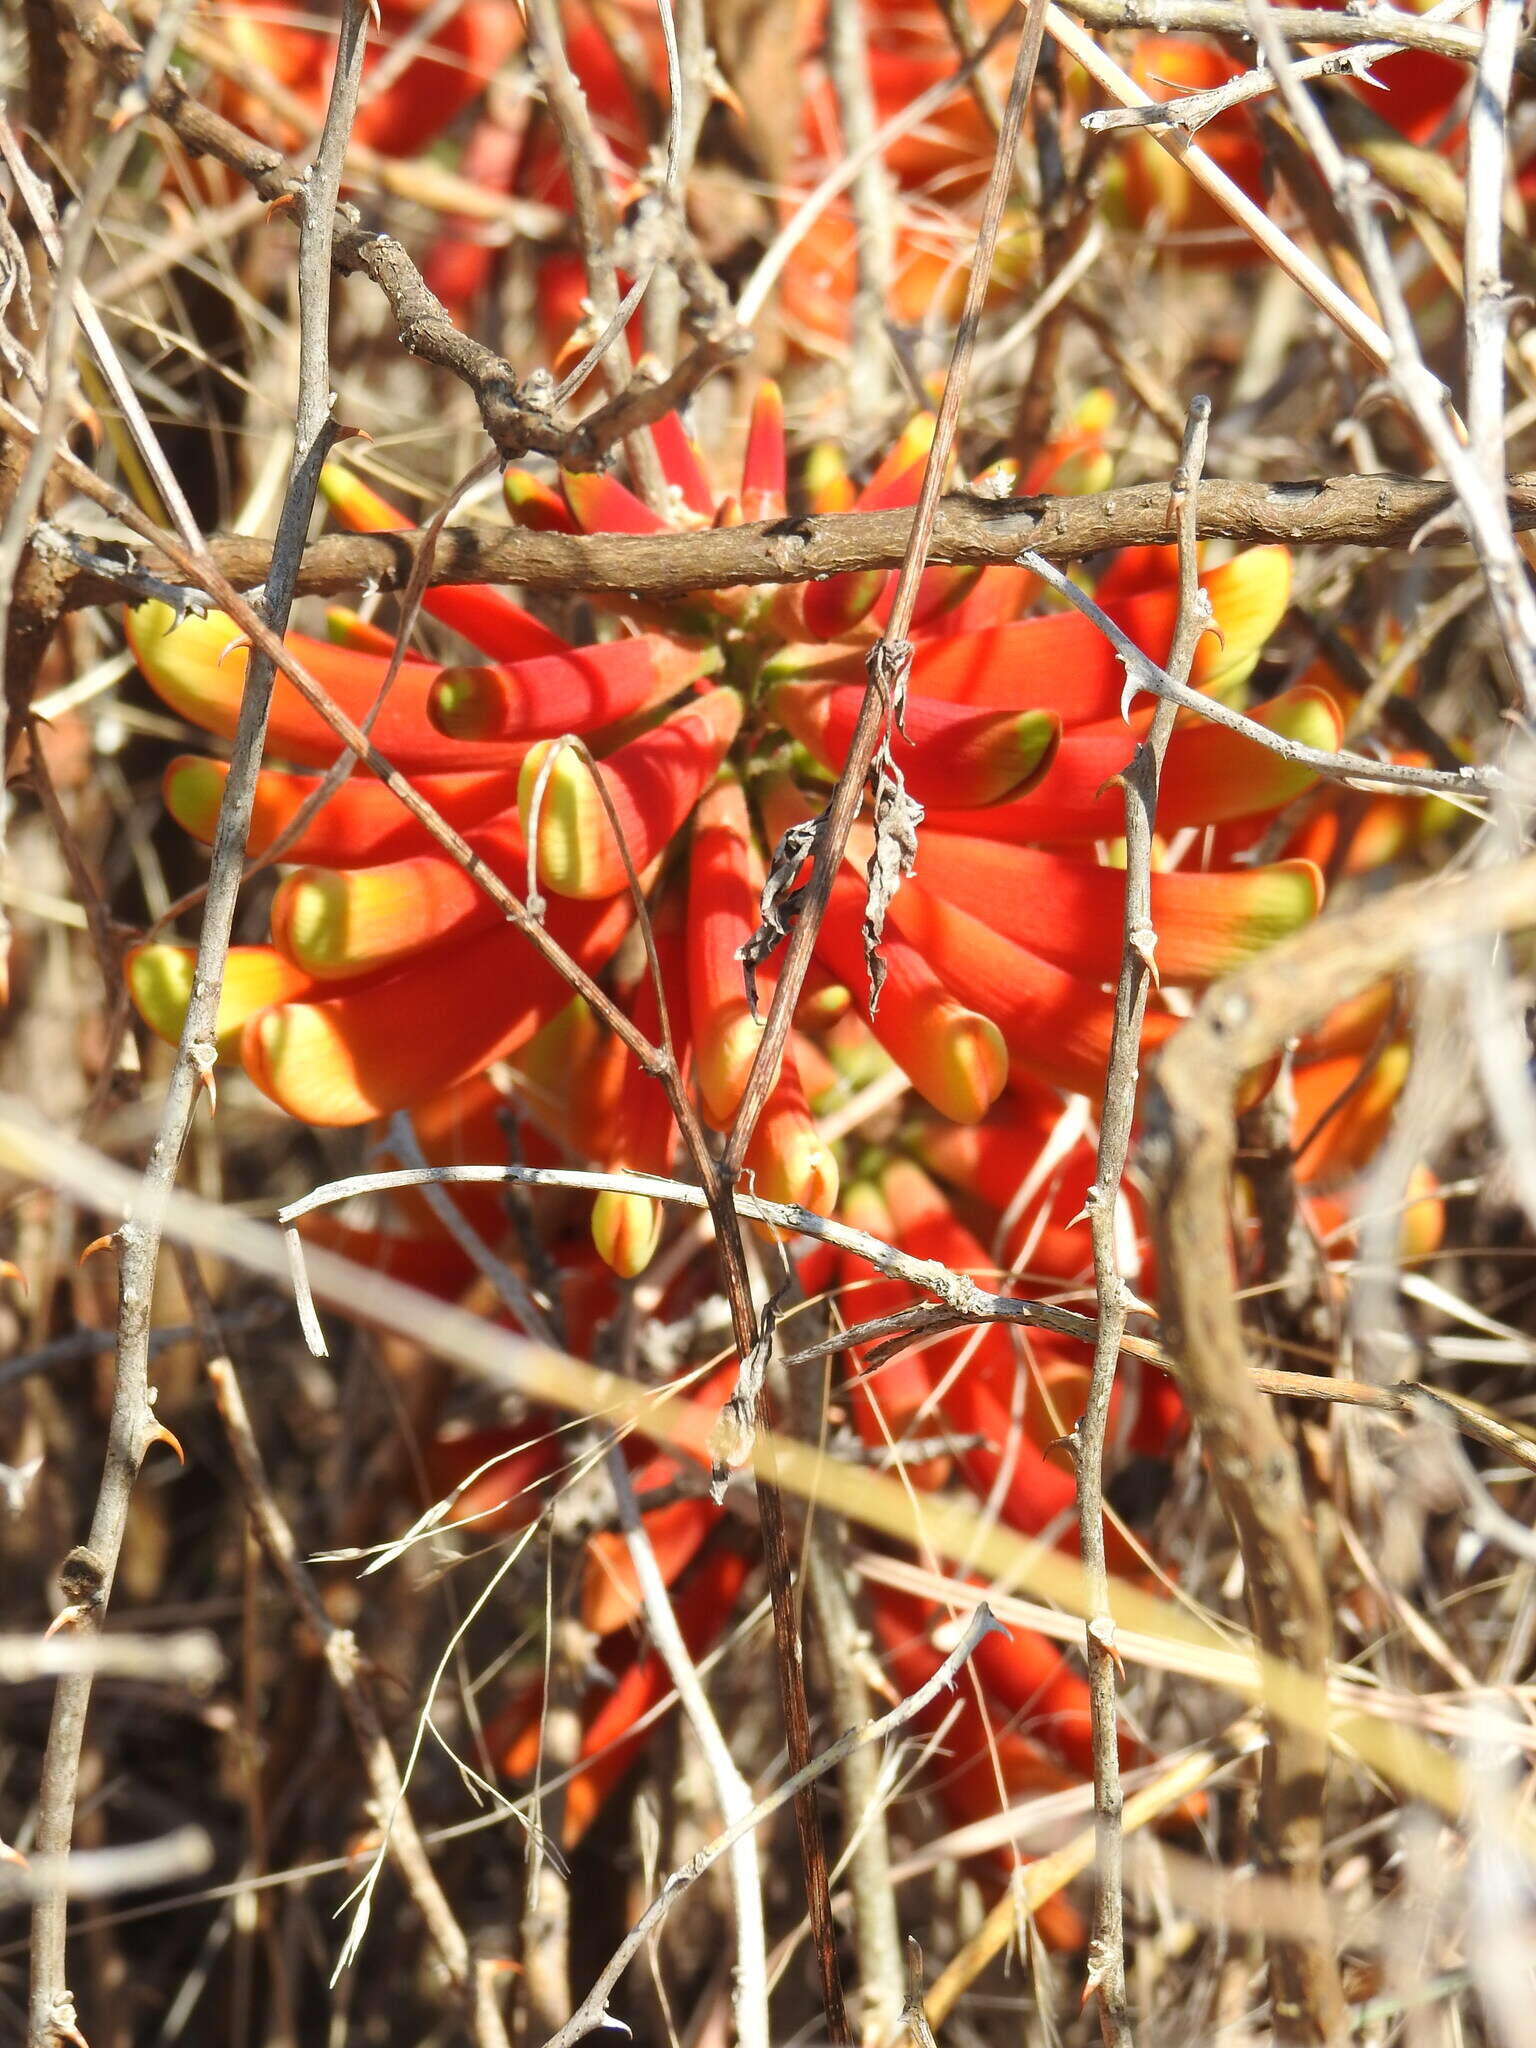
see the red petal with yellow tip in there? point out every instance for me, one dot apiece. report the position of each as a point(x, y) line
point(1057, 1027)
point(534, 506)
point(339, 922)
point(825, 480)
point(578, 690)
point(681, 467)
point(725, 879)
point(1211, 774)
point(763, 468)
point(1073, 912)
point(836, 604)
point(361, 825)
point(642, 1133)
point(1063, 663)
point(486, 618)
point(654, 783)
point(159, 980)
point(899, 477)
point(601, 504)
point(199, 670)
point(949, 755)
point(788, 1160)
point(1343, 1109)
point(449, 1014)
point(346, 628)
point(953, 1056)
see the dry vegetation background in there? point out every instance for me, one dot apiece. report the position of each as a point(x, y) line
point(1325, 1665)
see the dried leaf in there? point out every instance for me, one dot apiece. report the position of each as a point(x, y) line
point(780, 903)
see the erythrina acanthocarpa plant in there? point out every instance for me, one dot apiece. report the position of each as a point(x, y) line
point(714, 724)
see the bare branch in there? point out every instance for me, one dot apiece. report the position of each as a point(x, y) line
point(592, 2013)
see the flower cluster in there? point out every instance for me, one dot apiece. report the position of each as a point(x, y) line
point(391, 983)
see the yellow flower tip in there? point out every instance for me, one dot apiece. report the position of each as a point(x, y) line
point(1036, 737)
point(461, 702)
point(196, 665)
point(722, 1061)
point(310, 921)
point(348, 496)
point(574, 832)
point(801, 1170)
point(193, 789)
point(160, 984)
point(1248, 598)
point(626, 1230)
point(972, 1069)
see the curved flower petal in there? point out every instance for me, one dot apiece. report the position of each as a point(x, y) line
point(580, 689)
point(339, 922)
point(681, 466)
point(725, 879)
point(1073, 912)
point(1061, 662)
point(788, 1160)
point(159, 978)
point(1057, 1027)
point(198, 667)
point(361, 825)
point(654, 783)
point(1211, 774)
point(641, 1132)
point(959, 757)
point(449, 1014)
point(763, 483)
point(954, 1055)
point(601, 504)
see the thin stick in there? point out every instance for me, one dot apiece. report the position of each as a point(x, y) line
point(869, 354)
point(1357, 770)
point(1487, 295)
point(1138, 970)
point(133, 1426)
point(593, 2012)
point(749, 1982)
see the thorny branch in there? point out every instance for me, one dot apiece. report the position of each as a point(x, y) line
point(133, 1425)
point(1342, 511)
point(1138, 972)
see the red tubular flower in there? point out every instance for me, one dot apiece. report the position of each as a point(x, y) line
point(445, 1015)
point(641, 1133)
point(725, 881)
